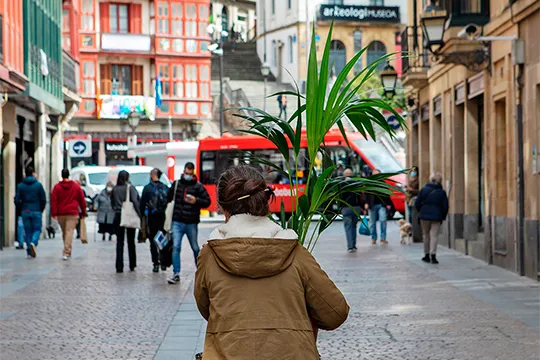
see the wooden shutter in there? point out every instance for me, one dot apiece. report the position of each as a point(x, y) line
point(105, 73)
point(105, 24)
point(135, 21)
point(137, 80)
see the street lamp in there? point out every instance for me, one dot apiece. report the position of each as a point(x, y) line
point(389, 80)
point(433, 22)
point(133, 120)
point(265, 71)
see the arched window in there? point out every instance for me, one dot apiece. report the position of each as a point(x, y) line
point(375, 50)
point(338, 57)
point(224, 19)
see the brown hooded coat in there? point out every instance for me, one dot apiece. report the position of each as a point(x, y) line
point(258, 294)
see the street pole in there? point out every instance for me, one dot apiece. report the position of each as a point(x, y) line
point(221, 120)
point(170, 129)
point(264, 106)
point(133, 137)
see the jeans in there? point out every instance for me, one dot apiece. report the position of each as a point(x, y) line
point(32, 228)
point(409, 208)
point(377, 213)
point(155, 223)
point(20, 231)
point(350, 220)
point(122, 232)
point(178, 231)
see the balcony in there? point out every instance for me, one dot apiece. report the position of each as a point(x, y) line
point(415, 62)
point(138, 43)
point(71, 72)
point(120, 106)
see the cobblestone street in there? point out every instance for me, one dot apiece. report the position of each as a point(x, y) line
point(401, 308)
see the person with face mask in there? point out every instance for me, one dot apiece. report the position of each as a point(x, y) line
point(189, 197)
point(412, 190)
point(105, 212)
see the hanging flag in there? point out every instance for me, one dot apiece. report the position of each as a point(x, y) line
point(159, 94)
point(99, 101)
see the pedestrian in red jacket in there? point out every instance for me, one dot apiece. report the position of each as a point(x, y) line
point(67, 202)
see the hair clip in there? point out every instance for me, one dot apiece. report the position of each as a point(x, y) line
point(246, 196)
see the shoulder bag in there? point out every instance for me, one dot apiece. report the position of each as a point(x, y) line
point(169, 211)
point(129, 217)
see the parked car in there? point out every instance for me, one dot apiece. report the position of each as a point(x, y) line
point(139, 176)
point(91, 178)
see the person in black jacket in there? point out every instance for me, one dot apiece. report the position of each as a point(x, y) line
point(189, 197)
point(154, 201)
point(432, 206)
point(350, 213)
point(378, 207)
point(119, 196)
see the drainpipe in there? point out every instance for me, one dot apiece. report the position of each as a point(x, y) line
point(521, 181)
point(264, 29)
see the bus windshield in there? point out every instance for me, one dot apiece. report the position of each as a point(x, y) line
point(379, 156)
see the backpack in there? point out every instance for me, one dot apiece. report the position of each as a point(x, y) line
point(158, 202)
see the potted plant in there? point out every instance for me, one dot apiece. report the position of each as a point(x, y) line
point(323, 108)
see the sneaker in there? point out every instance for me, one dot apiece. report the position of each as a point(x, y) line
point(33, 252)
point(174, 280)
point(29, 257)
point(373, 242)
point(155, 269)
point(351, 250)
point(19, 247)
point(65, 257)
point(384, 242)
point(426, 259)
point(354, 249)
point(434, 259)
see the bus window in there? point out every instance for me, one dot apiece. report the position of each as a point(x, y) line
point(378, 155)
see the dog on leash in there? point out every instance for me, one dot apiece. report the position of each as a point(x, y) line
point(405, 232)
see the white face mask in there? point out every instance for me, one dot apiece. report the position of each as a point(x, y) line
point(109, 189)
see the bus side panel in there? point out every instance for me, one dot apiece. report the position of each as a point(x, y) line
point(212, 191)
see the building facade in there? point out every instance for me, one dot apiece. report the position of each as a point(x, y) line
point(285, 25)
point(33, 99)
point(126, 47)
point(466, 105)
point(237, 17)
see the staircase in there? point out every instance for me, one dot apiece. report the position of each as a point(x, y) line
point(241, 64)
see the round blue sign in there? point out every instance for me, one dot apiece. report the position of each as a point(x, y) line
point(79, 147)
point(393, 122)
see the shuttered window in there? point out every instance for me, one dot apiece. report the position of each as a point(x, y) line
point(121, 79)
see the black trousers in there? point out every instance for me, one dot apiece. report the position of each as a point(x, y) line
point(122, 233)
point(154, 224)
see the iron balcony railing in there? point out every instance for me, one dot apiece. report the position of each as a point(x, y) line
point(415, 56)
point(70, 68)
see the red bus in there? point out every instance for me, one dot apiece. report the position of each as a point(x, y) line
point(216, 155)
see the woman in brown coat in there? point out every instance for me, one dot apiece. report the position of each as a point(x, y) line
point(260, 290)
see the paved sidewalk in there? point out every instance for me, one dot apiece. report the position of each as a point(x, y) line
point(401, 308)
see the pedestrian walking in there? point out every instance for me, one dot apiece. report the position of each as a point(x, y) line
point(67, 206)
point(411, 191)
point(30, 198)
point(118, 197)
point(189, 197)
point(432, 206)
point(280, 104)
point(378, 207)
point(153, 206)
point(355, 204)
point(283, 107)
point(263, 294)
point(105, 212)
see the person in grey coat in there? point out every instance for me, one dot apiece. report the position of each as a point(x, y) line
point(105, 212)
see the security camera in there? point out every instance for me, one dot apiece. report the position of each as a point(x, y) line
point(470, 32)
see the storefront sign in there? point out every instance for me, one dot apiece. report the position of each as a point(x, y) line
point(460, 93)
point(476, 85)
point(119, 107)
point(116, 147)
point(437, 106)
point(360, 13)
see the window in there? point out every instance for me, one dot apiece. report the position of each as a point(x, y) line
point(191, 20)
point(357, 37)
point(273, 4)
point(163, 18)
point(66, 39)
point(204, 92)
point(376, 2)
point(87, 15)
point(192, 108)
point(191, 46)
point(289, 4)
point(291, 50)
point(178, 45)
point(274, 55)
point(118, 18)
point(177, 24)
point(378, 155)
point(179, 108)
point(335, 2)
point(89, 78)
point(375, 51)
point(203, 20)
point(121, 79)
point(164, 76)
point(191, 81)
point(205, 109)
point(178, 81)
point(205, 73)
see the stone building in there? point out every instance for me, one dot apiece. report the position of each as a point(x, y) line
point(467, 97)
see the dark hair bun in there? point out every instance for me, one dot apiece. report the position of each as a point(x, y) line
point(243, 190)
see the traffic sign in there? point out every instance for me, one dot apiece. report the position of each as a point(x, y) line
point(393, 122)
point(81, 147)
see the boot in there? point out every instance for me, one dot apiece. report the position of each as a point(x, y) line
point(426, 258)
point(434, 259)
